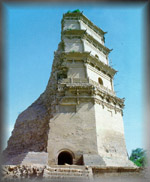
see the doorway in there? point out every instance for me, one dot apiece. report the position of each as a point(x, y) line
point(65, 158)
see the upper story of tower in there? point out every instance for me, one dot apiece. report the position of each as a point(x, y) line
point(79, 21)
point(79, 34)
point(81, 53)
point(81, 67)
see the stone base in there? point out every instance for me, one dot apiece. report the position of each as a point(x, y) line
point(70, 173)
point(97, 160)
point(50, 173)
point(120, 174)
point(28, 158)
point(93, 160)
point(118, 162)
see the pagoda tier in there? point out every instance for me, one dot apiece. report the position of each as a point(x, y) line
point(88, 58)
point(80, 35)
point(80, 21)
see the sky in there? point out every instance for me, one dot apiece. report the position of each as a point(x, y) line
point(31, 35)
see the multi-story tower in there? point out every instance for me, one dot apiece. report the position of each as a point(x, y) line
point(87, 126)
point(78, 119)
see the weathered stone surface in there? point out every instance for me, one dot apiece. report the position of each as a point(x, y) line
point(93, 160)
point(29, 134)
point(71, 173)
point(120, 174)
point(22, 171)
point(28, 158)
point(44, 171)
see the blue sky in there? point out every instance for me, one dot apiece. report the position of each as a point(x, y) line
point(32, 33)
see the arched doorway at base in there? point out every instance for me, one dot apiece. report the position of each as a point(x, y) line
point(65, 158)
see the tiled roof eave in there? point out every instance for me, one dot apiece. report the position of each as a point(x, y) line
point(87, 56)
point(84, 35)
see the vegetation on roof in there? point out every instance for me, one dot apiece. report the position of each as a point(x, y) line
point(75, 11)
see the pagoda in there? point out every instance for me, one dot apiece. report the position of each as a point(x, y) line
point(78, 120)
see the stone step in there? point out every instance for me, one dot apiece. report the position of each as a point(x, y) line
point(64, 176)
point(67, 174)
point(66, 179)
point(67, 170)
point(70, 172)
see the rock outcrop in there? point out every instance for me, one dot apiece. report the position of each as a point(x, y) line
point(30, 133)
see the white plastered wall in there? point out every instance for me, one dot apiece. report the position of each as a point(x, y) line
point(76, 70)
point(93, 75)
point(75, 131)
point(71, 24)
point(73, 45)
point(110, 132)
point(83, 26)
point(94, 51)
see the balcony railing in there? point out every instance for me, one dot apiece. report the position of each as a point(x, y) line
point(89, 81)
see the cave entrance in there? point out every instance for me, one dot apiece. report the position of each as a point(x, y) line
point(65, 158)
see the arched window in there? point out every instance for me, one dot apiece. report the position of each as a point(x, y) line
point(65, 158)
point(100, 81)
point(96, 56)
